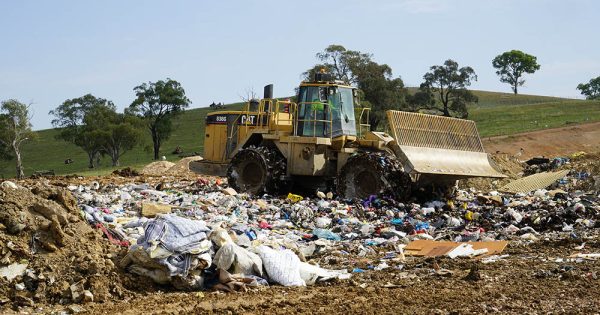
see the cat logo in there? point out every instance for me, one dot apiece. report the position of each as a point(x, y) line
point(248, 120)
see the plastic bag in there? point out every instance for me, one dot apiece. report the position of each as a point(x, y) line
point(282, 267)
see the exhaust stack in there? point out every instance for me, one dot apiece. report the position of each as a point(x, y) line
point(268, 92)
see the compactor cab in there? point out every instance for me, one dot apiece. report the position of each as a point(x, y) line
point(326, 109)
point(316, 141)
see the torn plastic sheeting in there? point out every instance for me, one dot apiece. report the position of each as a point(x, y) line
point(312, 273)
point(533, 182)
point(430, 248)
point(466, 250)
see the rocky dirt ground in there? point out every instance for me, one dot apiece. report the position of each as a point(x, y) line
point(66, 252)
point(529, 281)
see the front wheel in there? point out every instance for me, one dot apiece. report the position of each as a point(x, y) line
point(373, 173)
point(257, 170)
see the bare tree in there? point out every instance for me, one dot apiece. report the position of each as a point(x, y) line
point(249, 94)
point(15, 128)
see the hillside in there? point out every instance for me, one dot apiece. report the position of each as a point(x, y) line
point(48, 153)
point(496, 114)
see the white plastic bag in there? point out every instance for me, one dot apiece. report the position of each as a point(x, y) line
point(282, 266)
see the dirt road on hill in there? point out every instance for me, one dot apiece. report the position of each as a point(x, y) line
point(549, 142)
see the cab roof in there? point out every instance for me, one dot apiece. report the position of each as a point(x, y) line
point(327, 83)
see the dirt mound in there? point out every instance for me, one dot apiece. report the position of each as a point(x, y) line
point(182, 167)
point(505, 164)
point(158, 168)
point(508, 165)
point(126, 172)
point(64, 259)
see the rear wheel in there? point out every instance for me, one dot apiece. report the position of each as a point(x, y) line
point(373, 173)
point(257, 170)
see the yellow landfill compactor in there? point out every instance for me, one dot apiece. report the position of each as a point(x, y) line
point(316, 141)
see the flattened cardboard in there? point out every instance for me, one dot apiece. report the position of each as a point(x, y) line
point(150, 210)
point(429, 248)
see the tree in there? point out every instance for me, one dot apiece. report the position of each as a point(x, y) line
point(380, 89)
point(378, 86)
point(157, 103)
point(70, 117)
point(512, 65)
point(591, 90)
point(450, 84)
point(113, 132)
point(15, 128)
point(5, 151)
point(340, 62)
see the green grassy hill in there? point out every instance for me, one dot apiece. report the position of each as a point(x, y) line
point(48, 153)
point(511, 119)
point(495, 114)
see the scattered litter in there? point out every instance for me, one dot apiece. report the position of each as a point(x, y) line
point(493, 258)
point(196, 233)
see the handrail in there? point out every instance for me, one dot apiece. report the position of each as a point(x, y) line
point(292, 112)
point(366, 110)
point(274, 106)
point(262, 112)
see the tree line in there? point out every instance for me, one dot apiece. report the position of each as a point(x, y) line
point(444, 90)
point(94, 125)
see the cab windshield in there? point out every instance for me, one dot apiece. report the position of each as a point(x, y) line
point(319, 104)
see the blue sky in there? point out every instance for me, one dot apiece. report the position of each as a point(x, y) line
point(55, 50)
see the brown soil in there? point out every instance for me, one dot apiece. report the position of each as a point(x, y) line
point(182, 167)
point(528, 281)
point(550, 142)
point(158, 168)
point(43, 227)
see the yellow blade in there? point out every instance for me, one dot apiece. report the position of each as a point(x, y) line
point(431, 144)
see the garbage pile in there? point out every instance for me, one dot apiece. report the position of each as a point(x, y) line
point(195, 233)
point(174, 244)
point(201, 235)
